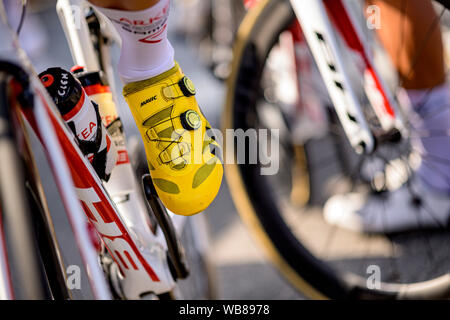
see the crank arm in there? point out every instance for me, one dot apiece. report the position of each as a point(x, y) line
point(175, 249)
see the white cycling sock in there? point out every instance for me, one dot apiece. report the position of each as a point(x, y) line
point(146, 51)
point(431, 124)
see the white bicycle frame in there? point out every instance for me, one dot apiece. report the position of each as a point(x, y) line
point(127, 195)
point(134, 210)
point(62, 176)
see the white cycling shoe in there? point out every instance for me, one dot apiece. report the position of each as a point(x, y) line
point(389, 212)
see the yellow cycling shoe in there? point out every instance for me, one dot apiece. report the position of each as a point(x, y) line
point(181, 151)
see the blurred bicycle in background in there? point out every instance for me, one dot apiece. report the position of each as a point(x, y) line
point(306, 72)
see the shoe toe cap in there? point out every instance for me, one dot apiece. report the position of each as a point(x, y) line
point(192, 199)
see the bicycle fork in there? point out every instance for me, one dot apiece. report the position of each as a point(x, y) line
point(316, 19)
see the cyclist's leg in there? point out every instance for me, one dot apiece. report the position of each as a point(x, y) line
point(146, 51)
point(405, 25)
point(184, 167)
point(413, 39)
point(417, 52)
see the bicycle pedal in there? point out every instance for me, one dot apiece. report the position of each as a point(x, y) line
point(176, 254)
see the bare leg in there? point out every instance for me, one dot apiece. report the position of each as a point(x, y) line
point(410, 32)
point(413, 39)
point(405, 26)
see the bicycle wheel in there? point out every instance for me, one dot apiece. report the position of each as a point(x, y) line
point(320, 260)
